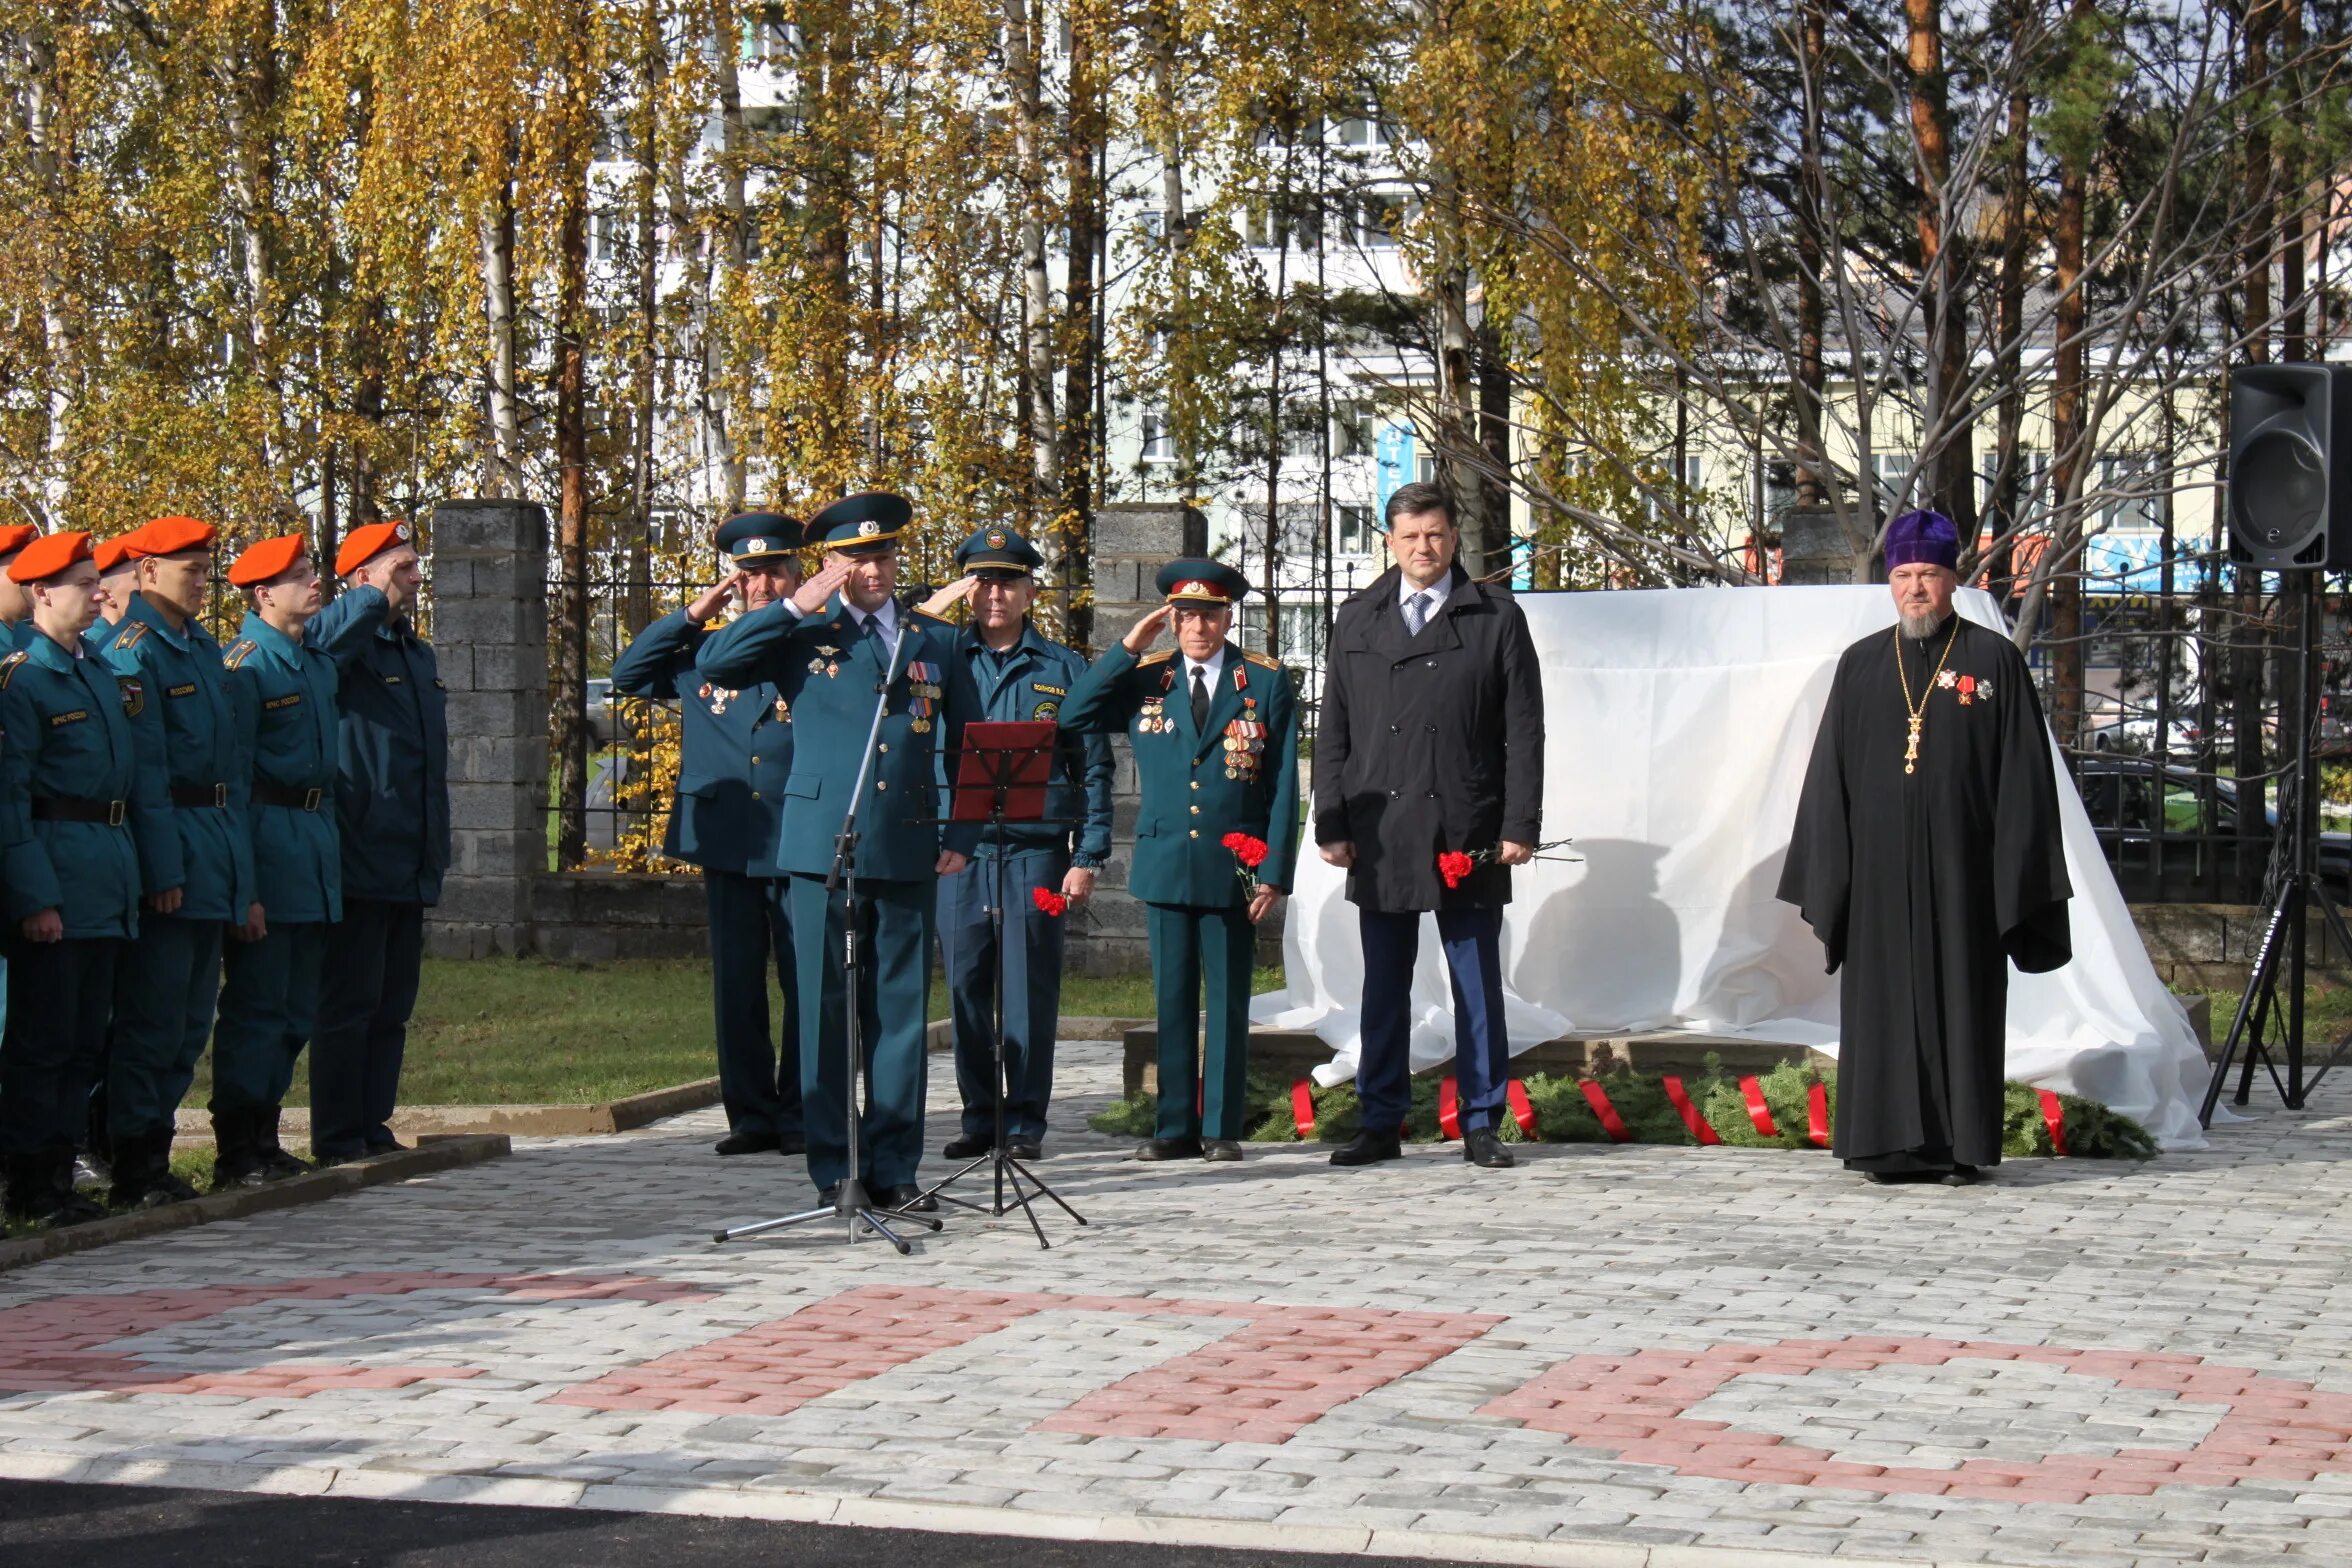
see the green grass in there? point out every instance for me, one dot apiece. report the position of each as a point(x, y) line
point(529, 1032)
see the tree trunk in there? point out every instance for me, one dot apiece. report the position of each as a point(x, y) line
point(2246, 644)
point(570, 705)
point(637, 607)
point(1948, 449)
point(1176, 231)
point(1812, 479)
point(733, 252)
point(2009, 318)
point(502, 470)
point(52, 162)
point(1024, 28)
point(1069, 548)
point(2068, 448)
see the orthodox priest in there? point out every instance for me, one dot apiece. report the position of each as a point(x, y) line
point(1926, 857)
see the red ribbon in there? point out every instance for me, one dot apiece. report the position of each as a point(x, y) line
point(1817, 1115)
point(1758, 1112)
point(1302, 1107)
point(1611, 1123)
point(1449, 1109)
point(1689, 1112)
point(1522, 1109)
point(2054, 1118)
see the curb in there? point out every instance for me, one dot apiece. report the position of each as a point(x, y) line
point(434, 1154)
point(944, 1518)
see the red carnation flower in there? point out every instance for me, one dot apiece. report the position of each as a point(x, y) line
point(1048, 900)
point(1455, 866)
point(1251, 852)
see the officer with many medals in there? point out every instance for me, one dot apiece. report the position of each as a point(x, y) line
point(1215, 735)
point(826, 651)
point(735, 756)
point(1019, 673)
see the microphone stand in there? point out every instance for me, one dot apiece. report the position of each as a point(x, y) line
point(851, 1205)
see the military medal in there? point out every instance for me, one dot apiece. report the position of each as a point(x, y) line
point(1918, 712)
point(783, 711)
point(817, 666)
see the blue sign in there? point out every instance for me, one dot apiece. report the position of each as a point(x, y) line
point(1392, 456)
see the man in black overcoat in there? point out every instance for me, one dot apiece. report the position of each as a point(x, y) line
point(1430, 742)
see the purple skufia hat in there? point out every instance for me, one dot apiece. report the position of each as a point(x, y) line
point(1928, 538)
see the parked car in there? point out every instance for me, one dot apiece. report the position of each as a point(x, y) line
point(2174, 836)
point(603, 724)
point(2138, 736)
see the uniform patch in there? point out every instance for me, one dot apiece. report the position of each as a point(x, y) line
point(391, 680)
point(188, 690)
point(237, 655)
point(1046, 710)
point(134, 695)
point(1262, 661)
point(71, 716)
point(1051, 691)
point(129, 636)
point(291, 699)
point(1150, 659)
point(9, 666)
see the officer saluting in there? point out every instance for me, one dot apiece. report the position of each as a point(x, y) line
point(283, 680)
point(1215, 733)
point(826, 656)
point(169, 979)
point(1019, 674)
point(85, 795)
point(392, 817)
point(735, 755)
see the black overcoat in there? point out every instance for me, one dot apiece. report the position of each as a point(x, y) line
point(1429, 743)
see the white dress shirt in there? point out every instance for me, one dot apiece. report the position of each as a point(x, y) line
point(1438, 593)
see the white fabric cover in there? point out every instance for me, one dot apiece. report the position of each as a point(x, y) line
point(1678, 724)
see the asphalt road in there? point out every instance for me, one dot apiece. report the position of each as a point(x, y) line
point(45, 1524)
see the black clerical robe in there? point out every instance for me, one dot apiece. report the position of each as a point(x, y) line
point(1925, 887)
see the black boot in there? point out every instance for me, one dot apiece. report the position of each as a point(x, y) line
point(143, 1176)
point(236, 1159)
point(72, 1207)
point(25, 1195)
point(276, 1163)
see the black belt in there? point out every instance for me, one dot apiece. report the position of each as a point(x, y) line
point(71, 808)
point(265, 794)
point(215, 796)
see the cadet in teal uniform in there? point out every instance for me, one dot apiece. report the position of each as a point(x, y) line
point(392, 813)
point(169, 980)
point(735, 754)
point(283, 680)
point(826, 656)
point(85, 785)
point(15, 605)
point(1216, 740)
point(1019, 674)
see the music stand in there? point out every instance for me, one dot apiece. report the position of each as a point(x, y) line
point(1003, 770)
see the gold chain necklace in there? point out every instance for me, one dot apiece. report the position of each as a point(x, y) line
point(1919, 713)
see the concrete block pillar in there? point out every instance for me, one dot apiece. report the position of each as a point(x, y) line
point(489, 602)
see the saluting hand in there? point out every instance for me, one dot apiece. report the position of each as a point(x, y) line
point(949, 597)
point(715, 598)
point(821, 587)
point(47, 926)
point(1147, 631)
point(1263, 901)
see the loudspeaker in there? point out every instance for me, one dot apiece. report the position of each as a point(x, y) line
point(2290, 466)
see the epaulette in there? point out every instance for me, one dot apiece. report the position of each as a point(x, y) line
point(1150, 659)
point(239, 652)
point(9, 666)
point(1262, 661)
point(129, 636)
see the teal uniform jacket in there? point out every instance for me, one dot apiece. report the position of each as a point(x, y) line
point(79, 730)
point(735, 752)
point(285, 696)
point(828, 673)
point(1194, 790)
point(392, 752)
point(1032, 680)
point(188, 691)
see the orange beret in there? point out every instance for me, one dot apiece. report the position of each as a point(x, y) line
point(114, 552)
point(15, 536)
point(363, 545)
point(47, 556)
point(170, 535)
point(266, 560)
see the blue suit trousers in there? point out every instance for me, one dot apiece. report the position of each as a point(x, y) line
point(759, 1065)
point(1032, 965)
point(1482, 1050)
point(894, 960)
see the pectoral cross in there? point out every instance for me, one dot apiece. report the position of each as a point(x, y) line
point(1911, 751)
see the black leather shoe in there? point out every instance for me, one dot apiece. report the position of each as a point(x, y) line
point(1369, 1148)
point(1962, 1176)
point(789, 1143)
point(1483, 1146)
point(829, 1197)
point(745, 1143)
point(905, 1196)
point(1168, 1149)
point(968, 1147)
point(1221, 1149)
point(1901, 1178)
point(1025, 1148)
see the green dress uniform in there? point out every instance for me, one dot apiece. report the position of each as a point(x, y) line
point(86, 784)
point(1235, 772)
point(1028, 681)
point(829, 668)
point(392, 820)
point(285, 694)
point(169, 980)
point(735, 755)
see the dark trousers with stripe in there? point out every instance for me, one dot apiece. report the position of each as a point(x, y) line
point(759, 1064)
point(1472, 939)
point(59, 997)
point(1202, 1097)
point(894, 963)
point(375, 957)
point(166, 988)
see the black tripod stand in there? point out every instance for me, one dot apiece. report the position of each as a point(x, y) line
point(2293, 889)
point(851, 1205)
point(998, 761)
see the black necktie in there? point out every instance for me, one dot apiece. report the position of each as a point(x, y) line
point(1200, 702)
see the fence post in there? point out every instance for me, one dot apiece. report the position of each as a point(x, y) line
point(489, 607)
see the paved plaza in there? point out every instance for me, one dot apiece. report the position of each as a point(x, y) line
point(1648, 1356)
